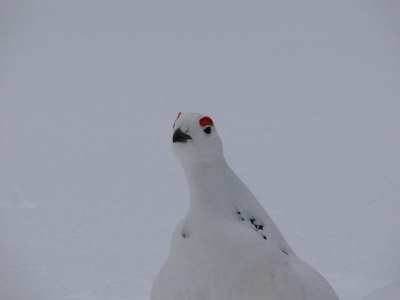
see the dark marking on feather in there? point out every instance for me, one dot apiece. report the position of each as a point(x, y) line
point(184, 234)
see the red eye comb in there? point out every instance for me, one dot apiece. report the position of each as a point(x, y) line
point(178, 116)
point(204, 121)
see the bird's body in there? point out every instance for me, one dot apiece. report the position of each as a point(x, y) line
point(227, 247)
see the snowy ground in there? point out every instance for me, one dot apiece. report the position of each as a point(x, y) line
point(305, 96)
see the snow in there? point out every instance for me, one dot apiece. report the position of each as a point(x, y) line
point(392, 291)
point(89, 189)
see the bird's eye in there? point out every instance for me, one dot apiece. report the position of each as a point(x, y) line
point(207, 130)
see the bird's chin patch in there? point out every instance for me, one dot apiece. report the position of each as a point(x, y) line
point(184, 150)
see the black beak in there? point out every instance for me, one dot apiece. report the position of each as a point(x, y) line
point(180, 137)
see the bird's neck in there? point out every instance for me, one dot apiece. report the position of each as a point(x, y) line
point(209, 185)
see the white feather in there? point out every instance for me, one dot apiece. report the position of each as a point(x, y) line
point(227, 246)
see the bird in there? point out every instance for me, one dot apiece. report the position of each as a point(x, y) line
point(227, 246)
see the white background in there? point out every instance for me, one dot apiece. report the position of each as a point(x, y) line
point(305, 96)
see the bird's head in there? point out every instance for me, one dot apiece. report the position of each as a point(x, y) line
point(196, 139)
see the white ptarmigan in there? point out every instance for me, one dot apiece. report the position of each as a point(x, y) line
point(227, 247)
